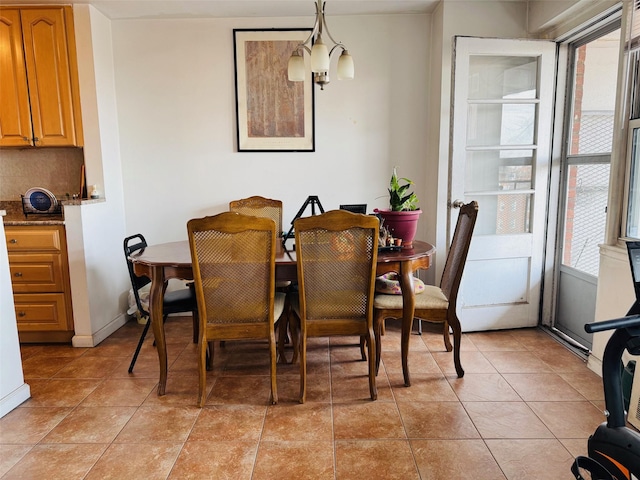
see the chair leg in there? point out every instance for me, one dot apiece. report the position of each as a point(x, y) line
point(419, 325)
point(303, 367)
point(363, 341)
point(283, 327)
point(373, 348)
point(294, 324)
point(202, 374)
point(273, 368)
point(209, 357)
point(445, 333)
point(377, 329)
point(140, 342)
point(457, 337)
point(196, 325)
point(194, 313)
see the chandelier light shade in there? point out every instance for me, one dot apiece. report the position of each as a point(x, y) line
point(345, 66)
point(320, 57)
point(296, 67)
point(320, 54)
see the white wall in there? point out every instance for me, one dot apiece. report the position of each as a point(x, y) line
point(99, 279)
point(176, 113)
point(615, 296)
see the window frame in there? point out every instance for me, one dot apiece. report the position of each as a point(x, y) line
point(629, 117)
point(632, 126)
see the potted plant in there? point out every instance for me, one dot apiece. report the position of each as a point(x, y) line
point(401, 219)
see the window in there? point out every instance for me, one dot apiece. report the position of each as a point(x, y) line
point(594, 61)
point(633, 209)
point(631, 220)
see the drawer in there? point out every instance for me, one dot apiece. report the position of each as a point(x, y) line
point(40, 312)
point(36, 272)
point(22, 239)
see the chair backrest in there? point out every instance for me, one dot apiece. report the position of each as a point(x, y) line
point(458, 251)
point(233, 259)
point(337, 253)
point(131, 245)
point(257, 206)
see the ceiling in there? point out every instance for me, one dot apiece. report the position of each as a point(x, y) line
point(120, 9)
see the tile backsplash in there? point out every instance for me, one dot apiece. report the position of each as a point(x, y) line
point(56, 169)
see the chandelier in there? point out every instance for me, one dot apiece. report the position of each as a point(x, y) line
point(320, 54)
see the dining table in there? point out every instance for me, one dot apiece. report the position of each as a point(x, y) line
point(164, 261)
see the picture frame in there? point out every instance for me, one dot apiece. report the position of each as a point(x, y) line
point(273, 114)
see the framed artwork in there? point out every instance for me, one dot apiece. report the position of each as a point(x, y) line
point(272, 113)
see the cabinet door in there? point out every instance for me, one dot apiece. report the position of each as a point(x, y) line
point(15, 118)
point(46, 52)
point(31, 238)
point(36, 272)
point(41, 312)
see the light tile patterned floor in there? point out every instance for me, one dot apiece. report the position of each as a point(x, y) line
point(523, 410)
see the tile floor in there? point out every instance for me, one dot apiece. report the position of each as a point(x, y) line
point(523, 410)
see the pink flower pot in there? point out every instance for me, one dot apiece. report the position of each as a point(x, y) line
point(401, 224)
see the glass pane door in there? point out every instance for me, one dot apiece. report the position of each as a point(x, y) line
point(502, 106)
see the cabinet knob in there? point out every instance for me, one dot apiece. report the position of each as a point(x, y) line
point(22, 314)
point(13, 240)
point(17, 274)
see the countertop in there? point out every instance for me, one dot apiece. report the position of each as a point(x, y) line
point(16, 217)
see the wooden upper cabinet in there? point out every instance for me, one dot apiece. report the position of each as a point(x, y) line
point(15, 116)
point(42, 63)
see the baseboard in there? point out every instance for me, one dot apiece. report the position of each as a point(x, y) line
point(100, 335)
point(595, 365)
point(14, 399)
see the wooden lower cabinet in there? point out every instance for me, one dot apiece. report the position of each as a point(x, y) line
point(40, 279)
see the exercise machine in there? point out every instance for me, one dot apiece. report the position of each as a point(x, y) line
point(614, 448)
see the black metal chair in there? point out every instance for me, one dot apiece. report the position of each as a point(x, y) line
point(177, 301)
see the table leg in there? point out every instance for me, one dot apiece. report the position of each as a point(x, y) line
point(408, 309)
point(156, 298)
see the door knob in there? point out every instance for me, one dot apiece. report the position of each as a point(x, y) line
point(457, 203)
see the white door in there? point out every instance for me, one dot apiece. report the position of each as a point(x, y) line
point(500, 157)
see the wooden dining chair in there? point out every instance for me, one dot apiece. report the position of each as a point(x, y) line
point(258, 206)
point(436, 304)
point(176, 301)
point(233, 259)
point(336, 259)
